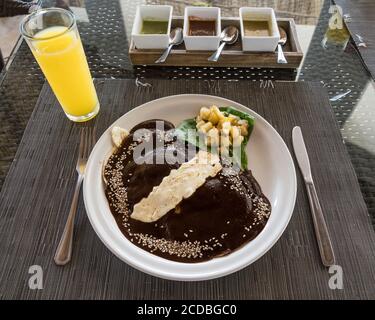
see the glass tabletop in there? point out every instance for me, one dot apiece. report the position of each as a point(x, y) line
point(330, 57)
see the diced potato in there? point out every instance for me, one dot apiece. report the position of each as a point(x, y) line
point(224, 151)
point(207, 126)
point(217, 112)
point(226, 125)
point(237, 140)
point(213, 135)
point(233, 119)
point(225, 132)
point(200, 123)
point(243, 123)
point(210, 142)
point(204, 113)
point(244, 131)
point(198, 118)
point(225, 128)
point(225, 140)
point(235, 132)
point(214, 119)
point(220, 124)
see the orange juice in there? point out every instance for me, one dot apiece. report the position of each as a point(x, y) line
point(60, 55)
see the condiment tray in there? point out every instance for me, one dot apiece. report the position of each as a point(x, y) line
point(232, 56)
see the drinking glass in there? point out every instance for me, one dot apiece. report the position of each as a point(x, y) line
point(53, 38)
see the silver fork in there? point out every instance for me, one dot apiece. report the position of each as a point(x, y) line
point(64, 250)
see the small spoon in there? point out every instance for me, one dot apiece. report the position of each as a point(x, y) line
point(176, 38)
point(228, 36)
point(281, 43)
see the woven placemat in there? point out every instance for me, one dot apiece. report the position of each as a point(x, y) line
point(36, 196)
point(111, 22)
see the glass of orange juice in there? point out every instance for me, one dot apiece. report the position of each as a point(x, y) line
point(53, 38)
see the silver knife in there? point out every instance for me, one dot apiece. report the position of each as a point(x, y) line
point(321, 231)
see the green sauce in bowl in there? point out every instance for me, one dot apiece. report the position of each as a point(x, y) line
point(154, 27)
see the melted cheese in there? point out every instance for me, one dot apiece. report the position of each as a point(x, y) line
point(180, 184)
point(118, 134)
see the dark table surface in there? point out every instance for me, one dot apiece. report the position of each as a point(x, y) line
point(105, 28)
point(360, 15)
point(35, 201)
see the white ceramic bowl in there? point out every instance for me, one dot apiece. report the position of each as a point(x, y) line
point(151, 41)
point(259, 44)
point(202, 42)
point(269, 159)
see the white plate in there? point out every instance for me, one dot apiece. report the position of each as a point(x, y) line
point(269, 160)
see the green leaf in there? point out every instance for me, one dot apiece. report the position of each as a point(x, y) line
point(187, 131)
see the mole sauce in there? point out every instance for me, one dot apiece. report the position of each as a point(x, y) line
point(226, 212)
